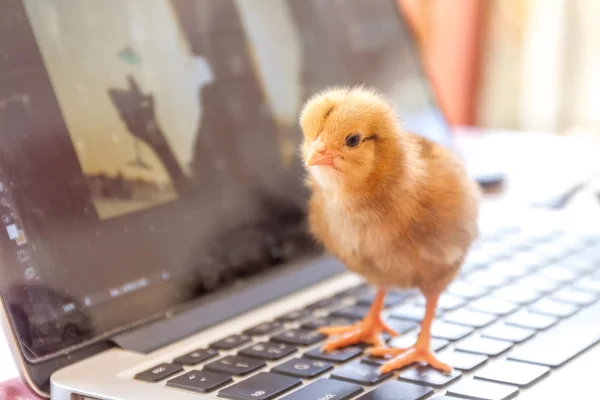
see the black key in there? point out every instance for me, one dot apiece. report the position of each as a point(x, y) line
point(513, 372)
point(295, 316)
point(196, 357)
point(517, 294)
point(539, 284)
point(447, 302)
point(231, 342)
point(299, 337)
point(264, 328)
point(467, 290)
point(558, 274)
point(327, 321)
point(406, 341)
point(574, 296)
point(262, 386)
point(463, 361)
point(447, 331)
point(235, 365)
point(482, 390)
point(159, 372)
point(268, 351)
point(472, 318)
point(337, 356)
point(352, 312)
point(527, 319)
point(553, 308)
point(392, 299)
point(562, 342)
point(325, 389)
point(354, 291)
point(507, 332)
point(325, 303)
point(401, 326)
point(200, 381)
point(361, 373)
point(492, 305)
point(398, 391)
point(429, 377)
point(485, 346)
point(303, 368)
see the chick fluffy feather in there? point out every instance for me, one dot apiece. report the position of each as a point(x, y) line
point(397, 209)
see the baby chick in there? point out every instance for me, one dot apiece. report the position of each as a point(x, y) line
point(396, 208)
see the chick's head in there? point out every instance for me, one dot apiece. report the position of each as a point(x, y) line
point(348, 133)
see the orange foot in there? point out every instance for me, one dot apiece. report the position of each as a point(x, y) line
point(405, 357)
point(367, 331)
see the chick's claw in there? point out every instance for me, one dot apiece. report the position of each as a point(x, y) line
point(405, 357)
point(368, 331)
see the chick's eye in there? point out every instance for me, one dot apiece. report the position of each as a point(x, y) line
point(353, 140)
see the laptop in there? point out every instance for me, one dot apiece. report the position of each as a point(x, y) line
point(154, 241)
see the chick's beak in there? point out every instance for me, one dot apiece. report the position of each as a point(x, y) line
point(318, 155)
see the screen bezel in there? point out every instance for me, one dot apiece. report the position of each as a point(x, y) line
point(37, 374)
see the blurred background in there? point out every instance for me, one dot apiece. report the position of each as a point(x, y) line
point(527, 65)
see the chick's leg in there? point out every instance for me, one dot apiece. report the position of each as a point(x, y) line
point(367, 331)
point(420, 351)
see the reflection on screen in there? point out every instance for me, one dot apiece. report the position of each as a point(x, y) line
point(155, 161)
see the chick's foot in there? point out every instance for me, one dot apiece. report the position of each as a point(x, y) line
point(405, 357)
point(367, 331)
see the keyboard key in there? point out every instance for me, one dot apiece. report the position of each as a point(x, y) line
point(352, 312)
point(268, 351)
point(231, 342)
point(482, 390)
point(485, 346)
point(463, 361)
point(517, 294)
point(353, 291)
point(200, 381)
point(235, 365)
point(558, 274)
point(509, 269)
point(196, 357)
point(578, 263)
point(488, 279)
point(326, 389)
point(492, 305)
point(574, 296)
point(392, 299)
point(299, 337)
point(507, 332)
point(327, 321)
point(303, 368)
point(264, 328)
point(467, 290)
point(409, 312)
point(406, 341)
point(475, 319)
point(262, 386)
point(361, 373)
point(553, 308)
point(447, 331)
point(159, 372)
point(429, 377)
point(447, 302)
point(527, 319)
point(398, 391)
point(325, 303)
point(336, 356)
point(513, 372)
point(539, 284)
point(562, 342)
point(588, 284)
point(295, 316)
point(401, 326)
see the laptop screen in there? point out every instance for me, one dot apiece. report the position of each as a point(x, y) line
point(148, 149)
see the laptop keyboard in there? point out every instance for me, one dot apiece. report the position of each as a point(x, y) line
point(519, 295)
